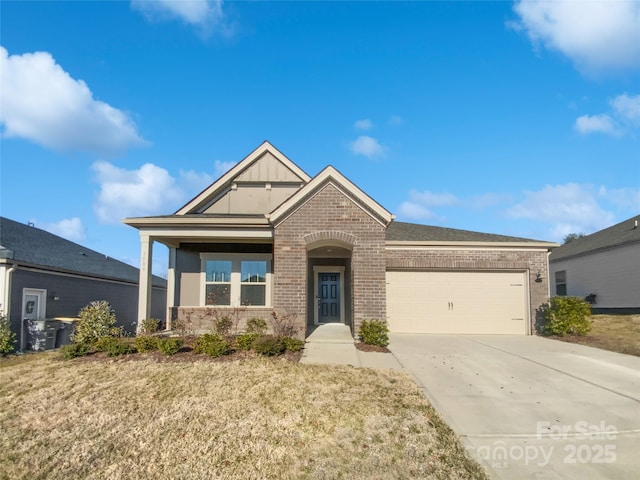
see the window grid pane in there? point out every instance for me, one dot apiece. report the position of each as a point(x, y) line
point(218, 271)
point(253, 271)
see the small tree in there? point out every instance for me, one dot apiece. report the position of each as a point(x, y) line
point(97, 320)
point(567, 315)
point(7, 337)
point(572, 236)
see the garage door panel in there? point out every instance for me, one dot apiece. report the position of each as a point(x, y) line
point(457, 302)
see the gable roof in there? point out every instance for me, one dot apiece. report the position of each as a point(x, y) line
point(411, 232)
point(31, 246)
point(333, 176)
point(225, 181)
point(623, 233)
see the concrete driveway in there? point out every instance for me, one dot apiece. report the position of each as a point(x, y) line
point(530, 407)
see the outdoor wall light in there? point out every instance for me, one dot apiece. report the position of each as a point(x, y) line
point(538, 277)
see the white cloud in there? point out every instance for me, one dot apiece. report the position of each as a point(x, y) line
point(569, 208)
point(625, 116)
point(367, 146)
point(364, 124)
point(41, 102)
point(206, 15)
point(597, 35)
point(71, 229)
point(622, 197)
point(149, 190)
point(627, 108)
point(419, 205)
point(587, 124)
point(415, 211)
point(220, 168)
point(395, 120)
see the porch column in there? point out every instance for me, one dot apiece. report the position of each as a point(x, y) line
point(171, 285)
point(144, 286)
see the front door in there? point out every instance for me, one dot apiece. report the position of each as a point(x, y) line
point(328, 297)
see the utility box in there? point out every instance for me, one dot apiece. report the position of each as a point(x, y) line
point(42, 334)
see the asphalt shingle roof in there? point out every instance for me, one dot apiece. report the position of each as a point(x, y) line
point(34, 246)
point(411, 232)
point(622, 233)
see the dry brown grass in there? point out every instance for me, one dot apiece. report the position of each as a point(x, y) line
point(617, 333)
point(255, 418)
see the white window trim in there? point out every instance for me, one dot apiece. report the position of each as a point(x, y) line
point(236, 259)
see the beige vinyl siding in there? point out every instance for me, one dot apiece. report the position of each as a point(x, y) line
point(457, 302)
point(613, 275)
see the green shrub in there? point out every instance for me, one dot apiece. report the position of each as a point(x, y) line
point(374, 332)
point(145, 343)
point(97, 320)
point(149, 326)
point(257, 326)
point(222, 326)
point(170, 345)
point(567, 315)
point(245, 341)
point(293, 344)
point(74, 350)
point(212, 345)
point(7, 337)
point(113, 346)
point(269, 345)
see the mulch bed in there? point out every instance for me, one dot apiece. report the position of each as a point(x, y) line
point(363, 347)
point(186, 355)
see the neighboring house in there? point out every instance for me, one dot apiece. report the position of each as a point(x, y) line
point(269, 237)
point(45, 276)
point(604, 266)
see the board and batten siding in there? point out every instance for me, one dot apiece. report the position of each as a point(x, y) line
point(613, 275)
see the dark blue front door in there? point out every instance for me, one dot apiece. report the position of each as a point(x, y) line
point(328, 297)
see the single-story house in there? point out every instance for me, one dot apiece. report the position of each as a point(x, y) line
point(267, 237)
point(46, 276)
point(603, 267)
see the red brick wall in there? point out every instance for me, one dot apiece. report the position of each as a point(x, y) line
point(532, 261)
point(330, 215)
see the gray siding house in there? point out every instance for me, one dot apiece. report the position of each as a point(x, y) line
point(45, 276)
point(267, 237)
point(605, 264)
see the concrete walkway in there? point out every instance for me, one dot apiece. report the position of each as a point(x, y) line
point(332, 344)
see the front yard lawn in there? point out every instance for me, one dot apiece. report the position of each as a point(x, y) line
point(617, 333)
point(254, 418)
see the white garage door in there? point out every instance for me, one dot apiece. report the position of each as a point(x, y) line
point(457, 302)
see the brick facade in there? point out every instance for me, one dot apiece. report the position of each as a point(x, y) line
point(330, 216)
point(533, 261)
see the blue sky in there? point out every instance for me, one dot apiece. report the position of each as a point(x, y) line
point(504, 117)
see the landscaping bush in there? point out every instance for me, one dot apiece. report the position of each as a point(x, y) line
point(269, 345)
point(145, 343)
point(257, 326)
point(222, 326)
point(97, 320)
point(149, 326)
point(245, 341)
point(7, 337)
point(374, 332)
point(212, 345)
point(113, 346)
point(567, 315)
point(284, 325)
point(293, 344)
point(74, 350)
point(170, 345)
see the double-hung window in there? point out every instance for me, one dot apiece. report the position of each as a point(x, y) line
point(561, 283)
point(236, 279)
